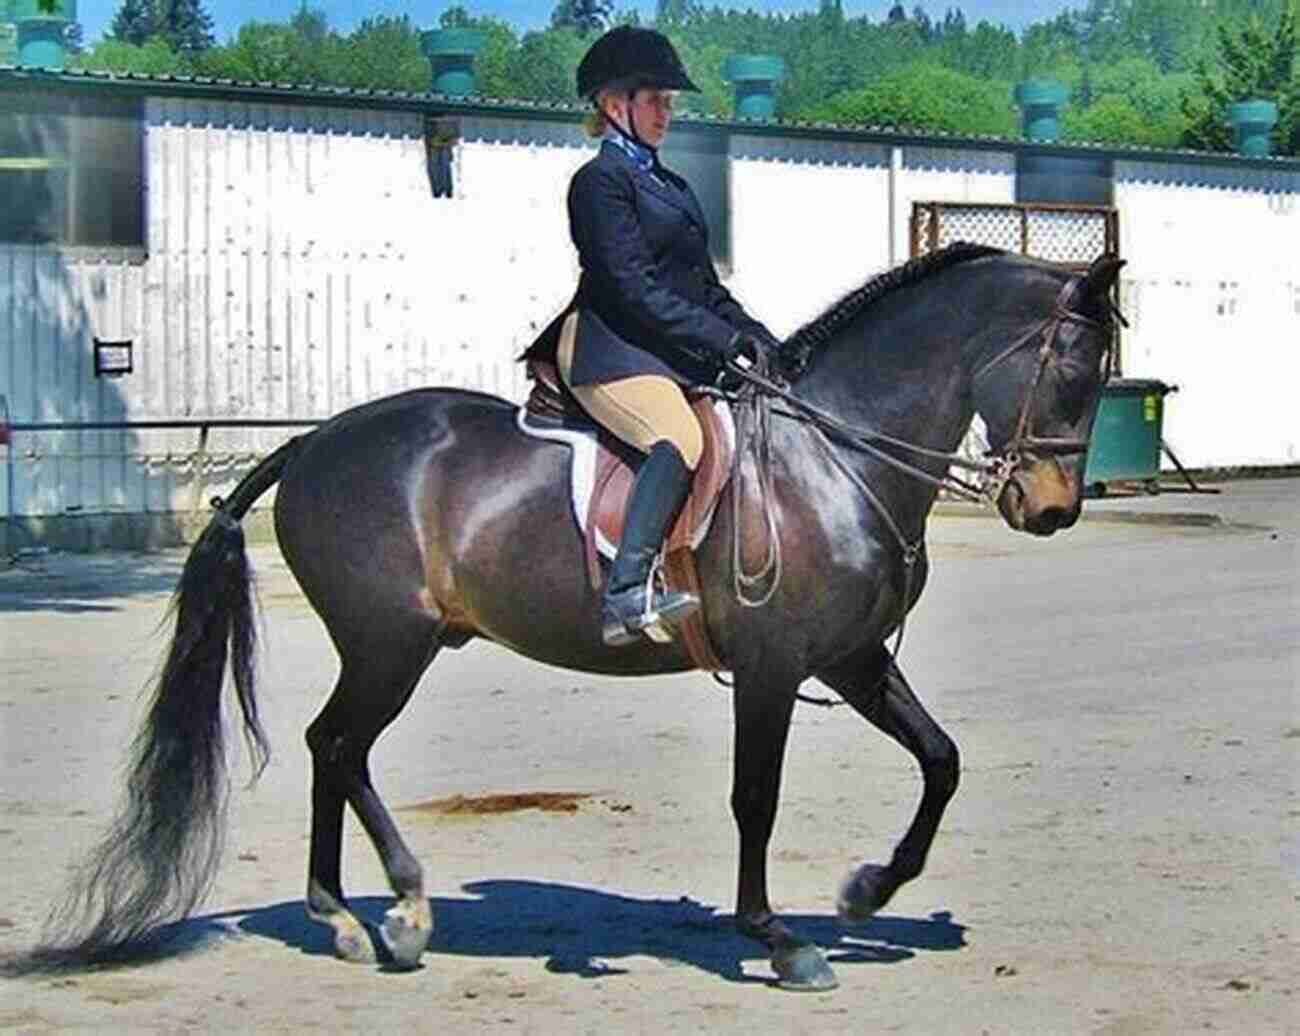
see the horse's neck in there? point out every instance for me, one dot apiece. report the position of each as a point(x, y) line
point(922, 397)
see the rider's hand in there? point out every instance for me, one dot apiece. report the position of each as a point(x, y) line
point(730, 378)
point(745, 349)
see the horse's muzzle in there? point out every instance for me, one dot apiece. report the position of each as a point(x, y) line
point(1041, 497)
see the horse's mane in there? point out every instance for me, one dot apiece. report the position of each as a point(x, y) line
point(798, 350)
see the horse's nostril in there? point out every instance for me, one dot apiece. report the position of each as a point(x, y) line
point(1050, 520)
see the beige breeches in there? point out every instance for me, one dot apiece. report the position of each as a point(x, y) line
point(641, 410)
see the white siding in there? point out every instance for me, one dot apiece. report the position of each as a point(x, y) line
point(1212, 290)
point(809, 224)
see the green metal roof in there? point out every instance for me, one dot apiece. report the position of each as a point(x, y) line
point(432, 103)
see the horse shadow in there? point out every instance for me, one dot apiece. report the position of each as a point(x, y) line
point(580, 931)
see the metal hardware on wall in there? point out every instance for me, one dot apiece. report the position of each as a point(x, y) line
point(113, 357)
point(441, 135)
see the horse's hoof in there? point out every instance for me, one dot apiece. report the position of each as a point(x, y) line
point(863, 893)
point(406, 931)
point(352, 944)
point(351, 940)
point(803, 970)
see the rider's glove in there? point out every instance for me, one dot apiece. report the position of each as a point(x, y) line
point(741, 356)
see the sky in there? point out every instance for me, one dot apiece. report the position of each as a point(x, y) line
point(96, 15)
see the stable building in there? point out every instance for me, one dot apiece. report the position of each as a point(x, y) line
point(191, 271)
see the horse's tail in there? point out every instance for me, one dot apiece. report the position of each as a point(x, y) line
point(160, 856)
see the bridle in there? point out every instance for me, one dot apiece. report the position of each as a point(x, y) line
point(994, 471)
point(1004, 462)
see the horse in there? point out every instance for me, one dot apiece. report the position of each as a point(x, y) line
point(423, 521)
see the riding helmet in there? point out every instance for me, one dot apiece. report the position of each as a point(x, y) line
point(632, 57)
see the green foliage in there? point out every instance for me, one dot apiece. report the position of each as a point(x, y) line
point(1116, 120)
point(1128, 103)
point(928, 98)
point(544, 66)
point(134, 22)
point(586, 16)
point(153, 57)
point(1139, 72)
point(184, 24)
point(1252, 63)
point(672, 13)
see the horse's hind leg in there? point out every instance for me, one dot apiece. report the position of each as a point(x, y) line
point(376, 681)
point(872, 684)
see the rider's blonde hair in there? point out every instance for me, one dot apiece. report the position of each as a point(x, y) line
point(597, 122)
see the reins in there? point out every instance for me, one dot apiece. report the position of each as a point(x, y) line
point(754, 403)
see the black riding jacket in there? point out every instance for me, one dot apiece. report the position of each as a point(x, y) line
point(649, 300)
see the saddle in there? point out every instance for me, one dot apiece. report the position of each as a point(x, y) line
point(603, 471)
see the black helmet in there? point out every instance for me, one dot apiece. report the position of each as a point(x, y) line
point(632, 57)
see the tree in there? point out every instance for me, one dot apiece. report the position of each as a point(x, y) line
point(544, 65)
point(134, 22)
point(455, 18)
point(672, 13)
point(261, 52)
point(897, 13)
point(928, 98)
point(1115, 119)
point(153, 57)
point(1252, 63)
point(185, 25)
point(385, 53)
point(923, 24)
point(310, 23)
point(583, 15)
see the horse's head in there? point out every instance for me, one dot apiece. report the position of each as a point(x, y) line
point(1038, 396)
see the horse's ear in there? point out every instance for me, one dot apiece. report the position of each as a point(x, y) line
point(1101, 276)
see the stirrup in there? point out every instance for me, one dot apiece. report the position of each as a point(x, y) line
point(658, 618)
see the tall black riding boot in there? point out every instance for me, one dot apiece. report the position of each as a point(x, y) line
point(630, 605)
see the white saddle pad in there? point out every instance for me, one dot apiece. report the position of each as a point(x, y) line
point(583, 481)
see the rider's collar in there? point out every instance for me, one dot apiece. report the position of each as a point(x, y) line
point(643, 156)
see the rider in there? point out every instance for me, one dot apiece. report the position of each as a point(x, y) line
point(650, 315)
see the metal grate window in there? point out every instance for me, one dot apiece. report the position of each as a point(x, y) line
point(1070, 234)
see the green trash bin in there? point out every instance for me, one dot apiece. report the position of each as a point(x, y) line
point(1126, 435)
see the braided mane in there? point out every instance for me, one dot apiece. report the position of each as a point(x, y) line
point(798, 350)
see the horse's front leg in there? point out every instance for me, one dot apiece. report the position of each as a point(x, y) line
point(762, 712)
point(872, 684)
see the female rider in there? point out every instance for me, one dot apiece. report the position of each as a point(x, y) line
point(650, 315)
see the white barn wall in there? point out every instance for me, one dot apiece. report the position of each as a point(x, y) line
point(809, 224)
point(1212, 289)
point(814, 219)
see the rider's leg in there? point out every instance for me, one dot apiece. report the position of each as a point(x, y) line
point(651, 414)
point(631, 603)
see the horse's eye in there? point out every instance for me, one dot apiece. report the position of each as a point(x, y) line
point(1075, 383)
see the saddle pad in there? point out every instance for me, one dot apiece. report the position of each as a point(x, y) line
point(585, 446)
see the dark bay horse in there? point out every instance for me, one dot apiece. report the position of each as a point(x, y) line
point(425, 520)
